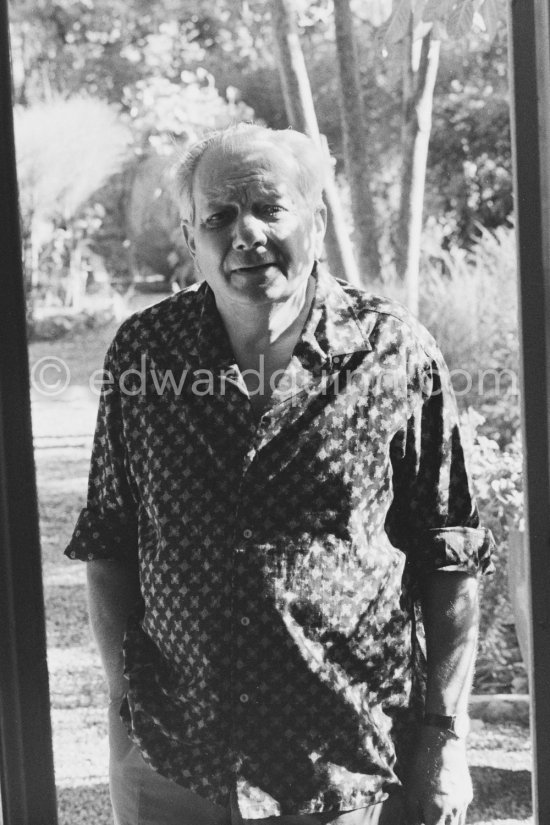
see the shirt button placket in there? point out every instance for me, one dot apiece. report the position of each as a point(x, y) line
point(240, 621)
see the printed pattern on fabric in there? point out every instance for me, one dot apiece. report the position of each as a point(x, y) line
point(276, 651)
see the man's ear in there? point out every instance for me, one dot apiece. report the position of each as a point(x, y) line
point(189, 235)
point(321, 228)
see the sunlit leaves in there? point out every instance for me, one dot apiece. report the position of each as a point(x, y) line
point(400, 21)
point(461, 18)
point(162, 111)
point(490, 14)
point(450, 18)
point(66, 150)
point(437, 9)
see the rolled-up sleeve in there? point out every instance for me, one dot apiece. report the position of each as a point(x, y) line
point(107, 526)
point(433, 517)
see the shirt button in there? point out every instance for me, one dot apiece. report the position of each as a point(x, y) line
point(245, 621)
point(247, 533)
point(244, 698)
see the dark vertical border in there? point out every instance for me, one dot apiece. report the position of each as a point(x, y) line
point(530, 71)
point(26, 761)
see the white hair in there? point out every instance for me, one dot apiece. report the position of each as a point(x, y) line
point(312, 163)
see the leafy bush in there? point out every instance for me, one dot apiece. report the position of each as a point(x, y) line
point(66, 150)
point(469, 303)
point(469, 180)
point(498, 477)
point(162, 112)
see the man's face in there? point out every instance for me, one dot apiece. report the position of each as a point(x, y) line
point(254, 237)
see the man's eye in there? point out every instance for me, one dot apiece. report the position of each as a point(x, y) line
point(216, 219)
point(272, 210)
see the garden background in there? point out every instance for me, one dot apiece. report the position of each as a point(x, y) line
point(108, 94)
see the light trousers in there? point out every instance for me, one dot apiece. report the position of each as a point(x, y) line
point(141, 796)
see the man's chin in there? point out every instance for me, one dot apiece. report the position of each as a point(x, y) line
point(267, 282)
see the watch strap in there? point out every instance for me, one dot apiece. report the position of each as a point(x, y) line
point(453, 725)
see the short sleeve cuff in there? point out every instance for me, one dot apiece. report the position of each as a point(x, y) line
point(103, 536)
point(454, 549)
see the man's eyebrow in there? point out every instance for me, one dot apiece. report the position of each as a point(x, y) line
point(225, 195)
point(215, 203)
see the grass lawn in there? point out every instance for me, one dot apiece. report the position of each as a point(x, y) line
point(499, 754)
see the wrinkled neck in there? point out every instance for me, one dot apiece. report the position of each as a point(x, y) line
point(259, 328)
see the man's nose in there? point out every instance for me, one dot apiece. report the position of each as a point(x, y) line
point(249, 232)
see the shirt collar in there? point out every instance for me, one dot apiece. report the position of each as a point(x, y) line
point(332, 328)
point(213, 346)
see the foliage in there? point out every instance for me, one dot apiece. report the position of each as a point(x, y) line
point(60, 46)
point(163, 112)
point(469, 303)
point(498, 476)
point(449, 18)
point(136, 53)
point(66, 149)
point(470, 176)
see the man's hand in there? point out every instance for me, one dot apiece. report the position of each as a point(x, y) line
point(438, 789)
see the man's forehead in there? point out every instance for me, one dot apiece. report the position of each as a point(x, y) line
point(259, 164)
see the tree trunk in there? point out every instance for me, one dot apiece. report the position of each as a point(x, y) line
point(21, 94)
point(355, 134)
point(76, 279)
point(301, 115)
point(418, 89)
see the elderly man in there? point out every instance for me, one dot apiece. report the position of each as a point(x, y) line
point(278, 504)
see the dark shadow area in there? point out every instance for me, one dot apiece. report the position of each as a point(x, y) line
point(500, 794)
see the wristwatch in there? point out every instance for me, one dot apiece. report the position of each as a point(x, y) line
point(456, 726)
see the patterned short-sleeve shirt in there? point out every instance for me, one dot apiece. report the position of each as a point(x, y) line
point(275, 652)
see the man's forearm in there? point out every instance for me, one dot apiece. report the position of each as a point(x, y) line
point(113, 590)
point(450, 608)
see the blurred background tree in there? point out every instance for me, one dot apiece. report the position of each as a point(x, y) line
point(108, 94)
point(162, 64)
point(66, 150)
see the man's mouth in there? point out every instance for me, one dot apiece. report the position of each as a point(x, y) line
point(254, 267)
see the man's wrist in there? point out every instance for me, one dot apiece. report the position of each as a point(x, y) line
point(456, 726)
